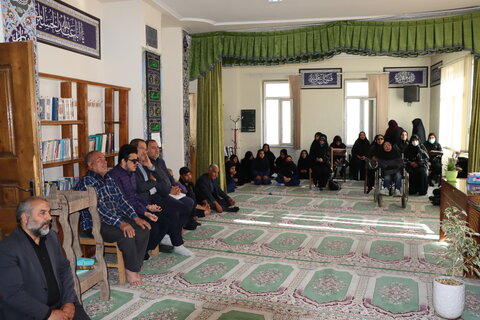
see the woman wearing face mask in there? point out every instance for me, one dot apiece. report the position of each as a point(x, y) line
point(434, 150)
point(416, 161)
point(320, 155)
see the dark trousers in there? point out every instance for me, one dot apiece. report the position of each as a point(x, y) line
point(294, 182)
point(418, 181)
point(320, 174)
point(357, 166)
point(222, 202)
point(80, 313)
point(133, 249)
point(159, 229)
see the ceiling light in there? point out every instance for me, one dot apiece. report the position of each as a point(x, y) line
point(275, 0)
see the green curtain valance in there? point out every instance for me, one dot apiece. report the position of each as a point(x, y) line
point(398, 39)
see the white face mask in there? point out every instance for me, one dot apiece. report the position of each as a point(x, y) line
point(415, 143)
point(432, 140)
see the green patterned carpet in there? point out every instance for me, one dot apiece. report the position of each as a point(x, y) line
point(294, 253)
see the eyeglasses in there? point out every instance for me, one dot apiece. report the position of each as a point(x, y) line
point(133, 160)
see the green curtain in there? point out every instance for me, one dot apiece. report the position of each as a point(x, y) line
point(210, 123)
point(474, 142)
point(393, 38)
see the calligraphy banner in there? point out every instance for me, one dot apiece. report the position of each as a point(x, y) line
point(66, 27)
point(398, 77)
point(321, 78)
point(436, 74)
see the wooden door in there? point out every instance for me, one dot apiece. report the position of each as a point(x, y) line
point(193, 134)
point(19, 142)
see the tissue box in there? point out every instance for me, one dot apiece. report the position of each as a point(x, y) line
point(474, 178)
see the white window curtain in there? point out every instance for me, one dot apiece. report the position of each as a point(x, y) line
point(455, 104)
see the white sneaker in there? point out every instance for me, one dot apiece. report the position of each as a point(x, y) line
point(384, 191)
point(181, 250)
point(397, 193)
point(166, 241)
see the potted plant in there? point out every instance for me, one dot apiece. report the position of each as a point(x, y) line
point(452, 169)
point(462, 256)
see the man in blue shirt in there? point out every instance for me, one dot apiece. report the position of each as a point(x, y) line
point(120, 222)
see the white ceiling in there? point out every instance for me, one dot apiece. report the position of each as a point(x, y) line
point(236, 15)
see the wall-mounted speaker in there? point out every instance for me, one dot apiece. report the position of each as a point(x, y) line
point(411, 94)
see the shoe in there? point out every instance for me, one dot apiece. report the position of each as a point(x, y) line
point(164, 248)
point(397, 193)
point(385, 192)
point(191, 225)
point(369, 189)
point(232, 209)
point(166, 241)
point(181, 250)
point(146, 257)
point(199, 224)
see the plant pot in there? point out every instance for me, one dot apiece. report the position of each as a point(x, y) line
point(448, 299)
point(451, 175)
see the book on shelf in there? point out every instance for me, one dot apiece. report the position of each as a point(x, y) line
point(57, 149)
point(102, 142)
point(62, 183)
point(57, 109)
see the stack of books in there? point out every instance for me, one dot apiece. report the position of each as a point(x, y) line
point(57, 149)
point(57, 109)
point(62, 183)
point(103, 142)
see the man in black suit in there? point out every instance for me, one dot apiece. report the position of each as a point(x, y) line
point(36, 281)
point(208, 191)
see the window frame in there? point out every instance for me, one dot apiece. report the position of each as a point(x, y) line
point(280, 113)
point(362, 101)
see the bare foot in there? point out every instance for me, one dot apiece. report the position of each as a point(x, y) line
point(133, 278)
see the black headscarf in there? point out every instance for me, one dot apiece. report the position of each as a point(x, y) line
point(269, 156)
point(416, 153)
point(391, 155)
point(260, 164)
point(319, 150)
point(419, 130)
point(341, 145)
point(304, 164)
point(361, 147)
point(402, 144)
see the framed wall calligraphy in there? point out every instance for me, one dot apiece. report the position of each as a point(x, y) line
point(61, 25)
point(399, 77)
point(153, 91)
point(321, 78)
point(436, 74)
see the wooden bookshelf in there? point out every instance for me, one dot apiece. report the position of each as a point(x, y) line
point(113, 122)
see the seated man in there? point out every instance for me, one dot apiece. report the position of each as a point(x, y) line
point(187, 186)
point(35, 278)
point(208, 190)
point(124, 175)
point(120, 222)
point(154, 189)
point(155, 163)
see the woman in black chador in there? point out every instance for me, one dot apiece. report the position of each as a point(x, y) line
point(359, 154)
point(340, 161)
point(260, 168)
point(304, 165)
point(245, 170)
point(373, 152)
point(434, 150)
point(280, 160)
point(320, 157)
point(270, 157)
point(403, 143)
point(416, 163)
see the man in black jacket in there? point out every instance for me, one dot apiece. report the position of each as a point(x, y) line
point(36, 280)
point(207, 189)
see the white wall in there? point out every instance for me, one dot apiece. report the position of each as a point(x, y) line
point(322, 109)
point(172, 98)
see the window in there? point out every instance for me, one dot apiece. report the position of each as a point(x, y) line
point(455, 104)
point(277, 113)
point(359, 111)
